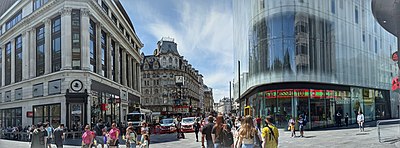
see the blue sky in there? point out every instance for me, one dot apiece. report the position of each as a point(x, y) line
point(203, 30)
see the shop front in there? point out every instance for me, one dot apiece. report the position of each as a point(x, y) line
point(11, 117)
point(105, 103)
point(321, 107)
point(47, 113)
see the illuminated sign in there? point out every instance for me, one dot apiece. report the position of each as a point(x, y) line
point(329, 94)
point(395, 83)
point(285, 93)
point(395, 57)
point(301, 93)
point(270, 94)
point(317, 93)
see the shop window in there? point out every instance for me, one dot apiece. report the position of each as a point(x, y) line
point(54, 87)
point(47, 113)
point(11, 117)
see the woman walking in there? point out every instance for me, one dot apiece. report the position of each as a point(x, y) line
point(247, 133)
point(38, 136)
point(113, 136)
point(87, 138)
point(216, 132)
point(360, 121)
point(291, 127)
point(301, 126)
point(131, 137)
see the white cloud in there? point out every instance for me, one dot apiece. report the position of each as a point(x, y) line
point(203, 31)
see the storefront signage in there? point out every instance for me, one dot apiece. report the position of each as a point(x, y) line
point(29, 114)
point(317, 93)
point(395, 57)
point(395, 83)
point(329, 94)
point(301, 93)
point(270, 94)
point(103, 107)
point(285, 93)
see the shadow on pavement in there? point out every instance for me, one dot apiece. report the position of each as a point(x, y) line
point(391, 141)
point(309, 136)
point(362, 133)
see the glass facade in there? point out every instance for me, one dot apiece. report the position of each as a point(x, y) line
point(103, 54)
point(92, 32)
point(47, 113)
point(18, 58)
point(8, 64)
point(319, 106)
point(40, 41)
point(76, 38)
point(105, 106)
point(327, 42)
point(11, 117)
point(56, 44)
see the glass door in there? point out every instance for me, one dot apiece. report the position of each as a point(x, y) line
point(76, 116)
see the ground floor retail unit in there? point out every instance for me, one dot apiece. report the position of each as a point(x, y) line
point(319, 103)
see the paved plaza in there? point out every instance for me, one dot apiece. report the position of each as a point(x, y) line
point(340, 138)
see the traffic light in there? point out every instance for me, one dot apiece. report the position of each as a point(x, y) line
point(190, 109)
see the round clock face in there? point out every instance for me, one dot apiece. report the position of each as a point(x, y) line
point(76, 85)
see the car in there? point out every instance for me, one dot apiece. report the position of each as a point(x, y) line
point(167, 126)
point(187, 124)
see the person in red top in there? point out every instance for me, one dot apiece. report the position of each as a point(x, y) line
point(114, 136)
point(258, 121)
point(87, 137)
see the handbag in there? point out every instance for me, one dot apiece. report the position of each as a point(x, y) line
point(288, 128)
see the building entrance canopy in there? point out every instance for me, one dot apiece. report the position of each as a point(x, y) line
point(387, 14)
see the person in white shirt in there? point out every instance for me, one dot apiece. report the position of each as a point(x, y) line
point(360, 121)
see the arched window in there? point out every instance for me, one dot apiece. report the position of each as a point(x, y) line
point(147, 100)
point(170, 60)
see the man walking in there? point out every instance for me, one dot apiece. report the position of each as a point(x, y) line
point(196, 127)
point(99, 133)
point(346, 119)
point(206, 133)
point(270, 134)
point(49, 137)
point(59, 136)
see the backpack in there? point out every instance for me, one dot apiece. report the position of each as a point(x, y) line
point(99, 130)
point(227, 138)
point(257, 140)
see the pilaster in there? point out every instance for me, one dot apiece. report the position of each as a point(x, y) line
point(109, 70)
point(85, 56)
point(3, 65)
point(13, 61)
point(66, 48)
point(98, 48)
point(124, 81)
point(25, 54)
point(47, 46)
point(116, 66)
point(128, 69)
point(32, 55)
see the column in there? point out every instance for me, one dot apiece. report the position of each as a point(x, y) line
point(47, 46)
point(109, 72)
point(129, 69)
point(25, 54)
point(124, 82)
point(138, 76)
point(85, 50)
point(134, 73)
point(32, 55)
point(116, 66)
point(3, 65)
point(66, 48)
point(12, 61)
point(98, 48)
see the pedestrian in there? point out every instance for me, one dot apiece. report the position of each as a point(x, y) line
point(59, 136)
point(301, 126)
point(98, 129)
point(145, 143)
point(49, 136)
point(346, 119)
point(270, 134)
point(144, 130)
point(291, 127)
point(114, 136)
point(179, 131)
point(196, 127)
point(247, 133)
point(339, 119)
point(87, 137)
point(38, 136)
point(131, 137)
point(227, 141)
point(216, 132)
point(206, 133)
point(258, 120)
point(360, 121)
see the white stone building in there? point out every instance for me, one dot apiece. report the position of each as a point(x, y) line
point(67, 61)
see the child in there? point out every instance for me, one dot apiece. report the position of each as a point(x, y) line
point(145, 143)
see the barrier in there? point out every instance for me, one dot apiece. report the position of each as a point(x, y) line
point(388, 130)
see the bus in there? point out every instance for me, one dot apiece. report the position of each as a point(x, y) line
point(137, 117)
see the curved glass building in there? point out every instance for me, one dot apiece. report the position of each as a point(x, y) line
point(313, 58)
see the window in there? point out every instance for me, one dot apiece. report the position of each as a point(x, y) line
point(363, 37)
point(376, 46)
point(121, 28)
point(104, 6)
point(56, 44)
point(7, 97)
point(127, 69)
point(37, 90)
point(356, 14)
point(38, 3)
point(103, 54)
point(18, 59)
point(11, 117)
point(8, 64)
point(14, 20)
point(40, 39)
point(114, 19)
point(112, 62)
point(333, 6)
point(92, 32)
point(54, 87)
point(132, 73)
point(1, 69)
point(76, 38)
point(18, 94)
point(120, 65)
point(51, 113)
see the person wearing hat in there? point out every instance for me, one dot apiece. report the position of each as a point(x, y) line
point(270, 134)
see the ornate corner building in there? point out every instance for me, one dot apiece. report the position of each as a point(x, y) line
point(170, 85)
point(67, 61)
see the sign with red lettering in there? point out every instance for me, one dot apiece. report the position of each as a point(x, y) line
point(29, 114)
point(395, 57)
point(301, 93)
point(270, 94)
point(285, 93)
point(395, 83)
point(317, 94)
point(329, 94)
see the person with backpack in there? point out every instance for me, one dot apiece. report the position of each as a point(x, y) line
point(59, 136)
point(196, 127)
point(227, 141)
point(216, 132)
point(38, 136)
point(270, 134)
point(247, 133)
point(87, 137)
point(98, 129)
point(49, 136)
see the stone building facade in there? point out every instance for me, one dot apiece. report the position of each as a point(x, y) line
point(162, 74)
point(67, 61)
point(208, 100)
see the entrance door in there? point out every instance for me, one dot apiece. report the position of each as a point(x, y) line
point(76, 116)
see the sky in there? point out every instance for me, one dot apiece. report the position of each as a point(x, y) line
point(203, 30)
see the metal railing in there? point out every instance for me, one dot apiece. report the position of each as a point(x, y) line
point(388, 130)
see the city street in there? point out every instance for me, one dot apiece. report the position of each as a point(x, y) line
point(343, 138)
